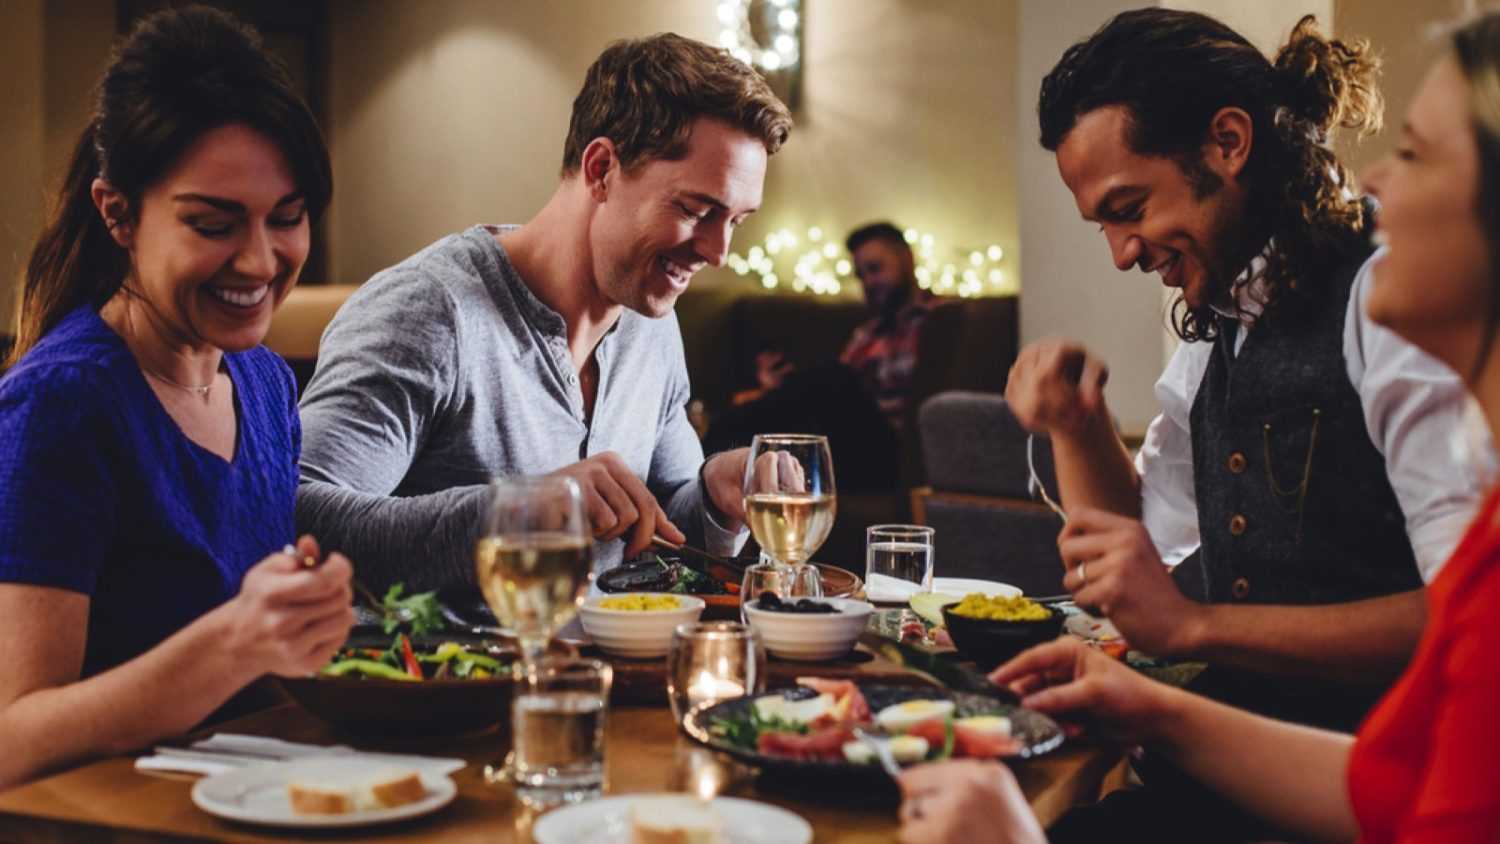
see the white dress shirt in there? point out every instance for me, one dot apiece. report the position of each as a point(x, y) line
point(1414, 410)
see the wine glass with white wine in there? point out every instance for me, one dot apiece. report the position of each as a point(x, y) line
point(534, 557)
point(789, 496)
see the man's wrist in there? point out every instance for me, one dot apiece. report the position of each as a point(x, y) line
point(718, 518)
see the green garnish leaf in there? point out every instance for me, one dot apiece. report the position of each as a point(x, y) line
point(421, 612)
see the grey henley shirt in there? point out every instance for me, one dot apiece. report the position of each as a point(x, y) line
point(445, 371)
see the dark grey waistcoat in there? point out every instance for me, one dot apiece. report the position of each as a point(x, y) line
point(1294, 505)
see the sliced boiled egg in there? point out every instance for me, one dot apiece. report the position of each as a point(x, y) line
point(795, 711)
point(901, 717)
point(858, 752)
point(909, 749)
point(990, 725)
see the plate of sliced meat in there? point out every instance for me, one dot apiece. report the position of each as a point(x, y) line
point(810, 727)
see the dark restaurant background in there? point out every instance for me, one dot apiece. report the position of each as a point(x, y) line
point(444, 113)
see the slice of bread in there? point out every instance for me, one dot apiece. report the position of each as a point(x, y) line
point(384, 790)
point(309, 799)
point(675, 819)
point(397, 788)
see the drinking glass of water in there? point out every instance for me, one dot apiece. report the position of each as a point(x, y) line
point(898, 562)
point(557, 724)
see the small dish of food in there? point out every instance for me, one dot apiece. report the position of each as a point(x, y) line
point(808, 629)
point(666, 573)
point(411, 675)
point(990, 629)
point(637, 625)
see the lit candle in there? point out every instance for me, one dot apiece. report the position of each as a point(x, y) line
point(708, 688)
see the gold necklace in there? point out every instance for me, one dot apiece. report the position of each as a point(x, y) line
point(200, 391)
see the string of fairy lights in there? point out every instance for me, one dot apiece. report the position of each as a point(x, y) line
point(817, 265)
point(811, 263)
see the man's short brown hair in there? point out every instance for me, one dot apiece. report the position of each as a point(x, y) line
point(645, 93)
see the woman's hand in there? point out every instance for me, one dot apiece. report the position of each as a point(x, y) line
point(965, 802)
point(289, 617)
point(1067, 677)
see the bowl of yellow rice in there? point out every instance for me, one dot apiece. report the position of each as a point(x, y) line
point(990, 629)
point(637, 625)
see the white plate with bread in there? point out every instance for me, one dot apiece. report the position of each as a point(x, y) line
point(326, 791)
point(671, 819)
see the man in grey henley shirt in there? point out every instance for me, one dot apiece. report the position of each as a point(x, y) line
point(549, 348)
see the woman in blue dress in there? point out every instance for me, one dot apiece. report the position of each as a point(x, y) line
point(148, 442)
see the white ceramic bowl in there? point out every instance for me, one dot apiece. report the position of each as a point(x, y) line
point(638, 634)
point(811, 637)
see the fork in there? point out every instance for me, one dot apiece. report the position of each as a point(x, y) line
point(882, 750)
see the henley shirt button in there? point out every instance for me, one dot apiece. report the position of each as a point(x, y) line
point(1240, 589)
point(572, 379)
point(1237, 524)
point(1236, 463)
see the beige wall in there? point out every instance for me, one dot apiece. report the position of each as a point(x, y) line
point(1401, 32)
point(51, 51)
point(446, 114)
point(21, 131)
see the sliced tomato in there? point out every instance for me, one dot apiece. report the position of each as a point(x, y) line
point(827, 743)
point(982, 744)
point(935, 730)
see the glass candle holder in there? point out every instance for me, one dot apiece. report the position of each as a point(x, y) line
point(713, 661)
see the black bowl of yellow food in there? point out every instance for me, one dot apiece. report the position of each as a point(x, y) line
point(989, 630)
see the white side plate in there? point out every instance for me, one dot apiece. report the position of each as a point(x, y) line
point(257, 793)
point(607, 821)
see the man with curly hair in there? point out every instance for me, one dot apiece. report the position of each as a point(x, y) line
point(1299, 482)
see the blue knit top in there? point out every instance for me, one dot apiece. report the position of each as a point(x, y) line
point(102, 493)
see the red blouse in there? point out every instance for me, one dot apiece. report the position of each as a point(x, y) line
point(1426, 764)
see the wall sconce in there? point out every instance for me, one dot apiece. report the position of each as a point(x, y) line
point(767, 35)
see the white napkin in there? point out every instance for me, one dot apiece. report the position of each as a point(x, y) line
point(227, 751)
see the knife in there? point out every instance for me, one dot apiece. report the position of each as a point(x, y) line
point(719, 568)
point(943, 671)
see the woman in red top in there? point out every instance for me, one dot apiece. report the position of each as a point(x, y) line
point(1425, 766)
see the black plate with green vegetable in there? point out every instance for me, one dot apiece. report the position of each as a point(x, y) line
point(733, 727)
point(411, 676)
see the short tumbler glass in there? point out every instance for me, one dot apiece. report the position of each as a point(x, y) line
point(557, 724)
point(898, 562)
point(713, 661)
point(784, 580)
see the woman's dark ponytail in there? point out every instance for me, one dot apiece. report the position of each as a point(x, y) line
point(75, 260)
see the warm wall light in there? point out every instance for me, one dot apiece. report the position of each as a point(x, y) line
point(767, 35)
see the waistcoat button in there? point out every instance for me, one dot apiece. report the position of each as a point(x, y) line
point(1240, 588)
point(1236, 463)
point(1237, 524)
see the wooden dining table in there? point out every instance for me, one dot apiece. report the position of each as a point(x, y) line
point(108, 801)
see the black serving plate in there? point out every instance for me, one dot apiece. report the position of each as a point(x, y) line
point(1037, 733)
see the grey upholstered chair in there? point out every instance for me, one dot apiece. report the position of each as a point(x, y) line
point(988, 524)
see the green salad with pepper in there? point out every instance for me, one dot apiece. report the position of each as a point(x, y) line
point(416, 615)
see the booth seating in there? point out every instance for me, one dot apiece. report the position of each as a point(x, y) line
point(988, 524)
point(298, 325)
